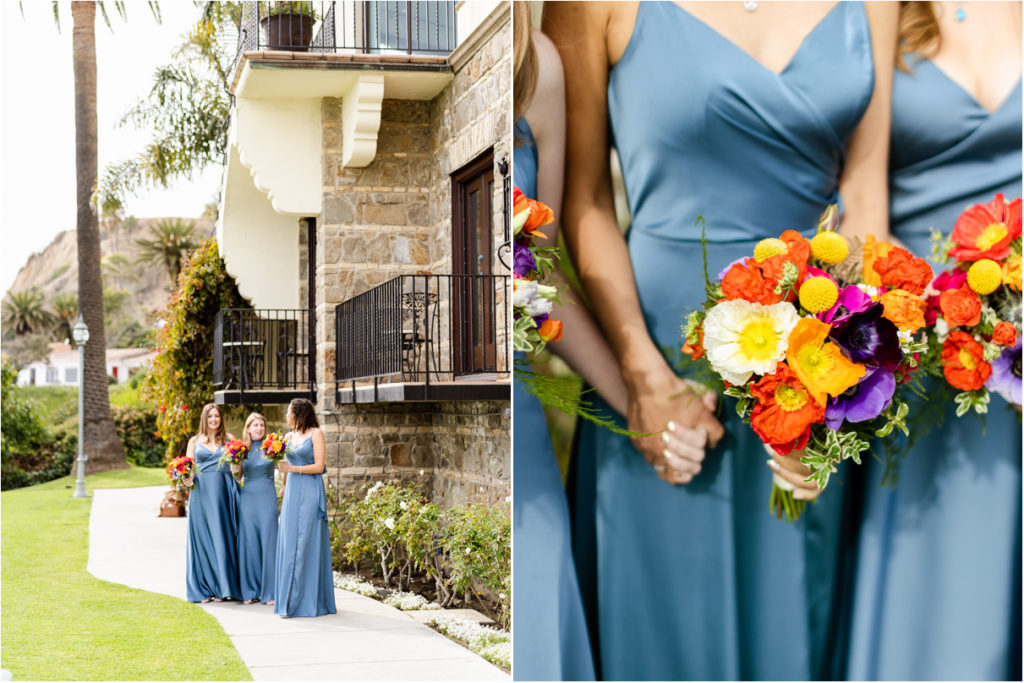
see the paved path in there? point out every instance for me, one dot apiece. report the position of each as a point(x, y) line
point(365, 640)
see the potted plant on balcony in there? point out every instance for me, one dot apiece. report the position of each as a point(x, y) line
point(287, 25)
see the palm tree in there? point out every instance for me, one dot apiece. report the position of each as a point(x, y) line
point(174, 239)
point(65, 311)
point(24, 313)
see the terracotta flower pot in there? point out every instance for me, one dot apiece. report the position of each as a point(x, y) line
point(288, 32)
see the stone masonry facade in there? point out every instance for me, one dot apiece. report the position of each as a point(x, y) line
point(393, 218)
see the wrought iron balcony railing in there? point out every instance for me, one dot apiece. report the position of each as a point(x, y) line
point(425, 329)
point(263, 350)
point(424, 27)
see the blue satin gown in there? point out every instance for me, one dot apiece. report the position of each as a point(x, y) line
point(702, 581)
point(211, 552)
point(937, 584)
point(305, 582)
point(551, 641)
point(257, 526)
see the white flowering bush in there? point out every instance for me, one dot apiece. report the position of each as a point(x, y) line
point(490, 643)
point(376, 530)
point(353, 584)
point(409, 601)
point(477, 541)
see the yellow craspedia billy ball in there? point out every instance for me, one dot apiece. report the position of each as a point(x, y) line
point(768, 247)
point(829, 247)
point(985, 276)
point(818, 294)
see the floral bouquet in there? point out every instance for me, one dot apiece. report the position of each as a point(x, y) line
point(531, 300)
point(814, 341)
point(274, 447)
point(234, 453)
point(180, 471)
point(975, 305)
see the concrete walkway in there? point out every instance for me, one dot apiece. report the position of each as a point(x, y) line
point(365, 640)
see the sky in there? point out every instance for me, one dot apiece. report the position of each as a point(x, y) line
point(37, 118)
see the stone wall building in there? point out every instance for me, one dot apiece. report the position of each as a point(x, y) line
point(378, 180)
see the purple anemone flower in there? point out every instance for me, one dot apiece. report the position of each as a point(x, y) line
point(869, 338)
point(851, 300)
point(1005, 379)
point(863, 401)
point(523, 262)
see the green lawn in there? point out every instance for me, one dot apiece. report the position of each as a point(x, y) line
point(61, 623)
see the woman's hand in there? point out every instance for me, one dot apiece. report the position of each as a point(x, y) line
point(792, 471)
point(285, 467)
point(189, 480)
point(680, 415)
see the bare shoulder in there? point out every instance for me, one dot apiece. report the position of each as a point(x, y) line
point(231, 437)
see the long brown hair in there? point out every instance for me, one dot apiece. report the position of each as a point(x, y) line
point(524, 58)
point(303, 415)
point(222, 431)
point(918, 32)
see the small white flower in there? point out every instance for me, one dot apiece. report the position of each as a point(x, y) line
point(421, 473)
point(468, 551)
point(403, 505)
point(390, 523)
point(870, 290)
point(941, 329)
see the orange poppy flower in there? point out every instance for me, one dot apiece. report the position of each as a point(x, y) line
point(550, 330)
point(963, 362)
point(899, 269)
point(819, 363)
point(785, 410)
point(960, 306)
point(695, 352)
point(799, 250)
point(904, 309)
point(747, 280)
point(986, 230)
point(1004, 334)
point(874, 250)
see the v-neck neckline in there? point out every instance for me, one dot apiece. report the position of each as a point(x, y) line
point(736, 46)
point(970, 96)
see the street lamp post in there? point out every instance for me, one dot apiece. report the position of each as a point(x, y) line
point(81, 336)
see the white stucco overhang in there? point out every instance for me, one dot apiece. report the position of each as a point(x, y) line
point(274, 172)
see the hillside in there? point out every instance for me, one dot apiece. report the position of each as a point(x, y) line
point(143, 286)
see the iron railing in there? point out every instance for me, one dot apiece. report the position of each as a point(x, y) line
point(425, 328)
point(262, 349)
point(425, 27)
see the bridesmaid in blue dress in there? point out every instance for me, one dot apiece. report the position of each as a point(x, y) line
point(550, 635)
point(211, 553)
point(937, 584)
point(756, 125)
point(305, 582)
point(257, 517)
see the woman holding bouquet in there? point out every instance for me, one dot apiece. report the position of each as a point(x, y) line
point(257, 517)
point(212, 548)
point(756, 116)
point(305, 581)
point(937, 583)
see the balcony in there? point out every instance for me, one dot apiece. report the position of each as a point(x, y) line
point(262, 356)
point(425, 338)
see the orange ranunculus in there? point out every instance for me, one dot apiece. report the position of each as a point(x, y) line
point(695, 352)
point(874, 250)
point(899, 269)
point(960, 306)
point(819, 363)
point(986, 230)
point(540, 214)
point(1011, 272)
point(799, 250)
point(963, 362)
point(746, 280)
point(904, 309)
point(550, 330)
point(1004, 334)
point(785, 410)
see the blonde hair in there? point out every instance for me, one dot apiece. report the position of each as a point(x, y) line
point(222, 432)
point(248, 423)
point(918, 32)
point(524, 59)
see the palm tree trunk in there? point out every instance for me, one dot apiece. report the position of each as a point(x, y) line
point(102, 445)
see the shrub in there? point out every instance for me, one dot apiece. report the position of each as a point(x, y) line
point(137, 429)
point(29, 452)
point(377, 528)
point(181, 379)
point(477, 540)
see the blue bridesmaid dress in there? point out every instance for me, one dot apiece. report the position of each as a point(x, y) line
point(211, 552)
point(305, 582)
point(257, 526)
point(551, 641)
point(937, 582)
point(701, 581)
